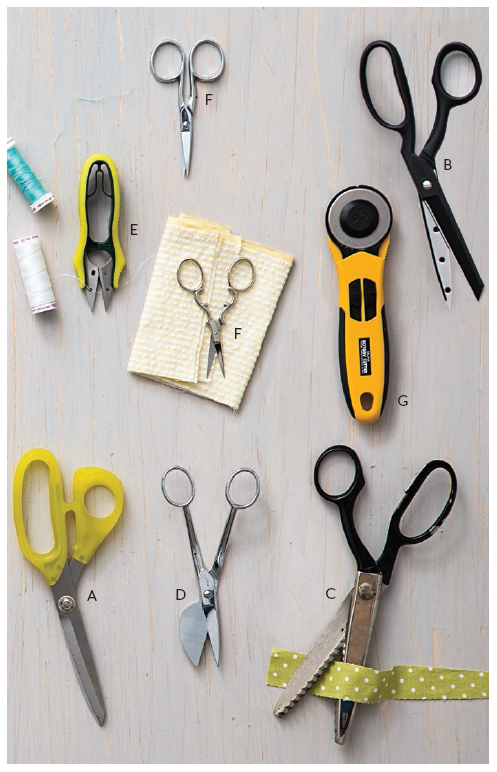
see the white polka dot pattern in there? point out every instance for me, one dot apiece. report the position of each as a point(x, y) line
point(362, 684)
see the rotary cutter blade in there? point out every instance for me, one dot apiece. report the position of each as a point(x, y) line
point(104, 182)
point(358, 221)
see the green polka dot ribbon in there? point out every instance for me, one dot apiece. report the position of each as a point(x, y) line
point(362, 684)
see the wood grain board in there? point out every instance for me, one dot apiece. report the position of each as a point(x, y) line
point(285, 131)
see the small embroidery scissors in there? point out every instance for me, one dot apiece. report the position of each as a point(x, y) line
point(215, 348)
point(200, 619)
point(89, 274)
point(347, 636)
point(442, 230)
point(186, 107)
point(59, 570)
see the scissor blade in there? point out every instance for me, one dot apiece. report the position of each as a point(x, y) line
point(363, 607)
point(215, 349)
point(105, 273)
point(91, 278)
point(193, 630)
point(82, 659)
point(213, 630)
point(326, 649)
point(440, 252)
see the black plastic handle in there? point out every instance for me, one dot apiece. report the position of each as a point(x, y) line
point(446, 101)
point(345, 503)
point(395, 538)
point(407, 127)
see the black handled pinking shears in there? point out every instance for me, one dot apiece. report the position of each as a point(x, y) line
point(347, 636)
point(442, 230)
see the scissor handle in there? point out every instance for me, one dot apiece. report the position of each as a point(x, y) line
point(181, 70)
point(193, 289)
point(223, 542)
point(230, 482)
point(445, 100)
point(231, 271)
point(194, 73)
point(395, 538)
point(90, 530)
point(168, 498)
point(345, 503)
point(407, 127)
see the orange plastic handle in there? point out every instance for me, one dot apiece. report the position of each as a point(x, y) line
point(90, 530)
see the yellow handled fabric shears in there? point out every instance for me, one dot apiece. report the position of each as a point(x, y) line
point(61, 571)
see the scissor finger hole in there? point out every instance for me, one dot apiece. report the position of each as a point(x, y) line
point(36, 507)
point(190, 275)
point(209, 58)
point(457, 74)
point(241, 274)
point(178, 486)
point(164, 57)
point(243, 486)
point(426, 505)
point(335, 473)
point(99, 203)
point(99, 501)
point(383, 88)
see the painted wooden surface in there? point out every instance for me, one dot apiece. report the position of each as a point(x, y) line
point(285, 131)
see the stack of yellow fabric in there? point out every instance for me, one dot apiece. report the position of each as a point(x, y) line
point(172, 342)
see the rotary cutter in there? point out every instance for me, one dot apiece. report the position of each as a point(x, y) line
point(98, 179)
point(358, 221)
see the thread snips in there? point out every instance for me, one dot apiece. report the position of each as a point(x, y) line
point(98, 183)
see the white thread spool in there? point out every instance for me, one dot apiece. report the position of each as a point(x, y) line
point(35, 278)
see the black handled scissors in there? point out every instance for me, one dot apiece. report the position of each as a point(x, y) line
point(442, 230)
point(350, 630)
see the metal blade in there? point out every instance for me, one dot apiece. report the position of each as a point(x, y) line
point(219, 352)
point(91, 278)
point(363, 607)
point(64, 594)
point(186, 145)
point(326, 649)
point(105, 273)
point(440, 252)
point(193, 630)
point(210, 359)
point(213, 630)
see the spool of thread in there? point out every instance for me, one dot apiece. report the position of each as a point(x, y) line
point(35, 278)
point(26, 179)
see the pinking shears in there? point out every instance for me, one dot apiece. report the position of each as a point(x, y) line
point(347, 636)
point(61, 571)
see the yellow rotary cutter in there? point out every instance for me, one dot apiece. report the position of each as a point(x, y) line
point(98, 179)
point(358, 221)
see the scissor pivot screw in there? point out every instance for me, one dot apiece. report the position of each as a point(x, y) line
point(186, 124)
point(208, 594)
point(66, 604)
point(366, 591)
point(427, 185)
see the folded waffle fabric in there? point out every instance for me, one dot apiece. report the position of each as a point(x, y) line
point(341, 680)
point(172, 342)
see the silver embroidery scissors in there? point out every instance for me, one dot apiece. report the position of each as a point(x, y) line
point(186, 107)
point(215, 348)
point(200, 619)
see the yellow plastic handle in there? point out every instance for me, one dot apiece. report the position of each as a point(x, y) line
point(90, 530)
point(363, 341)
point(50, 563)
point(78, 259)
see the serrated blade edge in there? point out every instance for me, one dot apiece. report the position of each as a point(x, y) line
point(326, 649)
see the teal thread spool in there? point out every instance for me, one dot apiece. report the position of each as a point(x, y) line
point(26, 179)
